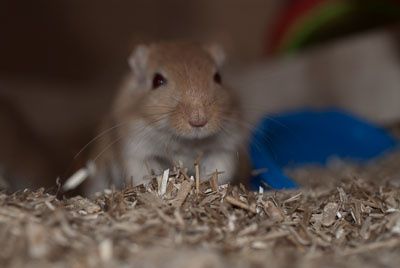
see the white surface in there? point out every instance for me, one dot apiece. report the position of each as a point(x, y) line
point(361, 74)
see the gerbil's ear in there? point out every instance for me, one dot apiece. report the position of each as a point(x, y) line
point(138, 61)
point(217, 53)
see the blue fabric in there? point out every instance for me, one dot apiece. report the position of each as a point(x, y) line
point(311, 137)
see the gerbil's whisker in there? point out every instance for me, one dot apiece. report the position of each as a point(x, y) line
point(106, 148)
point(175, 98)
point(159, 106)
point(161, 113)
point(248, 127)
point(263, 111)
point(147, 126)
point(266, 137)
point(151, 123)
point(98, 137)
point(243, 146)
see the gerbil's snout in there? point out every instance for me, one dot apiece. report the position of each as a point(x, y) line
point(194, 120)
point(198, 118)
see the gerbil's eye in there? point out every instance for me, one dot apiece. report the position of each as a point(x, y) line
point(217, 78)
point(158, 80)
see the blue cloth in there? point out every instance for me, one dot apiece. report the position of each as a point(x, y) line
point(311, 137)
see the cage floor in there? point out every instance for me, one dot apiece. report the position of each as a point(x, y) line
point(345, 216)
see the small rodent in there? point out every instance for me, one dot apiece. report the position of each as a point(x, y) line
point(172, 108)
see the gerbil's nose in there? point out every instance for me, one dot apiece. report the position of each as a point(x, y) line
point(198, 119)
point(198, 123)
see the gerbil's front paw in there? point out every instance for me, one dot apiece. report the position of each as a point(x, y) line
point(221, 162)
point(141, 172)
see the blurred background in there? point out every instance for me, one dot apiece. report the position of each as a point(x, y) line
point(62, 61)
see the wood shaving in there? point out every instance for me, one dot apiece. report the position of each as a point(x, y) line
point(347, 215)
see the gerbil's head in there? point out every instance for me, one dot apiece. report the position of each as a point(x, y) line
point(182, 89)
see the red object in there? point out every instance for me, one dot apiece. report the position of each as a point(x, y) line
point(296, 9)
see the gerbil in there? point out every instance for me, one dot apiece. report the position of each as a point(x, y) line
point(172, 108)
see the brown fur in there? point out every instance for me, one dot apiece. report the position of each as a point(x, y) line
point(189, 94)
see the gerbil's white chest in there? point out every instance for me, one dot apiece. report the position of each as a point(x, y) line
point(184, 154)
point(145, 144)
